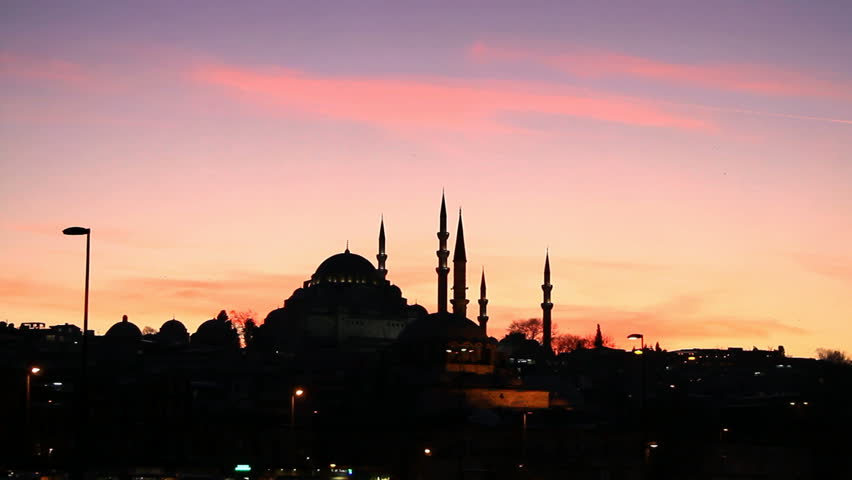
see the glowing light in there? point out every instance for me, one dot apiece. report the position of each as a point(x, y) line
point(638, 352)
point(35, 370)
point(242, 468)
point(299, 392)
point(427, 452)
point(691, 357)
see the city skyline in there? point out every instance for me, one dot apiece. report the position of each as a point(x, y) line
point(695, 191)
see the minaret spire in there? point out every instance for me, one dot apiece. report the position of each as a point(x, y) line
point(483, 305)
point(443, 254)
point(382, 255)
point(546, 304)
point(460, 273)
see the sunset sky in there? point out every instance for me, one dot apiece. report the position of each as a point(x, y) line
point(688, 164)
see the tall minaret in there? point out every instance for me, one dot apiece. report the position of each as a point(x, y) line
point(546, 304)
point(460, 274)
point(483, 305)
point(443, 254)
point(382, 256)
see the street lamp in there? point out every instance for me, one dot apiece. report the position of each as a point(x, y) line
point(524, 436)
point(297, 392)
point(642, 420)
point(84, 351)
point(637, 336)
point(30, 372)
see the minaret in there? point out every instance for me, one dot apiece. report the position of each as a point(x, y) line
point(546, 304)
point(382, 256)
point(460, 274)
point(443, 254)
point(483, 305)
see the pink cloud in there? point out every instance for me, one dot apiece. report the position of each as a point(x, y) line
point(408, 103)
point(836, 268)
point(748, 78)
point(52, 71)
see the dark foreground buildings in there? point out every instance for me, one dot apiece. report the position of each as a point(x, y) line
point(348, 380)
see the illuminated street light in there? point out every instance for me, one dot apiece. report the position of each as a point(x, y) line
point(637, 336)
point(297, 392)
point(642, 420)
point(427, 452)
point(30, 372)
point(84, 351)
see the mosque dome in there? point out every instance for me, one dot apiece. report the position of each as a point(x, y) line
point(417, 311)
point(345, 267)
point(217, 332)
point(124, 329)
point(173, 331)
point(442, 326)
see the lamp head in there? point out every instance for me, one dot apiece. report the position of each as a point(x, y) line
point(76, 231)
point(299, 392)
point(35, 370)
point(635, 336)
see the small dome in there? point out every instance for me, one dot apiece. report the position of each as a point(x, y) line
point(173, 331)
point(345, 267)
point(124, 329)
point(217, 332)
point(442, 326)
point(417, 311)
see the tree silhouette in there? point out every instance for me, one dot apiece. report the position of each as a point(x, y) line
point(531, 329)
point(568, 343)
point(833, 356)
point(149, 331)
point(240, 320)
point(249, 333)
point(598, 341)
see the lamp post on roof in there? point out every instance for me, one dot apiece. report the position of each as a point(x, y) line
point(84, 351)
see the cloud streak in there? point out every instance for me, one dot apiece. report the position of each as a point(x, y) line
point(432, 103)
point(54, 72)
point(679, 320)
point(747, 78)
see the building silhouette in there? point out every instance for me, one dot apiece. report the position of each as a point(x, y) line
point(390, 390)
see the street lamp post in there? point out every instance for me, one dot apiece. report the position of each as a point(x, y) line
point(84, 351)
point(298, 392)
point(642, 417)
point(524, 438)
point(30, 372)
point(27, 415)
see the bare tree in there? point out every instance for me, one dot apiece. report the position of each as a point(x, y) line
point(833, 356)
point(531, 329)
point(568, 343)
point(245, 323)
